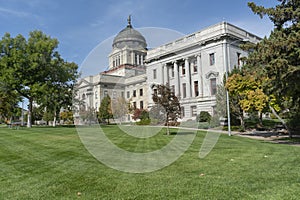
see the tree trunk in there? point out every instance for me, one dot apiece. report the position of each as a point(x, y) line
point(29, 118)
point(260, 119)
point(54, 118)
point(281, 120)
point(242, 122)
point(167, 121)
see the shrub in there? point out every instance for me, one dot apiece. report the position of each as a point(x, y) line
point(144, 122)
point(204, 116)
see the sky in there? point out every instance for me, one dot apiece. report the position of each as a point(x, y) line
point(83, 25)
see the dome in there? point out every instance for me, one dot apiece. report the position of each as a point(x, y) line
point(129, 37)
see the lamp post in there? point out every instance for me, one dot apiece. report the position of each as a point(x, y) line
point(226, 75)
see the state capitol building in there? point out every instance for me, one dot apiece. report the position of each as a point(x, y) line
point(192, 66)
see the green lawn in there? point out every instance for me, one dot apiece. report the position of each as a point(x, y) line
point(52, 163)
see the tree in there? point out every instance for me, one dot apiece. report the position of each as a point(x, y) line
point(105, 111)
point(67, 117)
point(277, 57)
point(30, 66)
point(120, 108)
point(248, 92)
point(88, 115)
point(164, 96)
point(8, 102)
point(204, 116)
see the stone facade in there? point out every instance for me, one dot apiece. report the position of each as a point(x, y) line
point(192, 66)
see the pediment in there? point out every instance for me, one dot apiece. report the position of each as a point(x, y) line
point(212, 74)
point(83, 83)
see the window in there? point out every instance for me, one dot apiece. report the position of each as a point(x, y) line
point(114, 95)
point(122, 94)
point(155, 91)
point(154, 74)
point(173, 88)
point(213, 86)
point(184, 90)
point(128, 94)
point(182, 112)
point(134, 93)
point(211, 59)
point(194, 111)
point(141, 92)
point(134, 105)
point(105, 93)
point(196, 88)
point(195, 67)
point(141, 105)
point(135, 59)
point(238, 59)
point(183, 69)
point(173, 72)
point(96, 95)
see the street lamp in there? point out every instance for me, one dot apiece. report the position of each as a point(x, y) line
point(226, 75)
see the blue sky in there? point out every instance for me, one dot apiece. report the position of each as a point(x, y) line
point(80, 25)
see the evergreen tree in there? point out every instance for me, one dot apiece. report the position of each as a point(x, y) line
point(105, 111)
point(276, 59)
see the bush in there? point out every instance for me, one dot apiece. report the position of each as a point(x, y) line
point(204, 116)
point(215, 121)
point(203, 125)
point(144, 122)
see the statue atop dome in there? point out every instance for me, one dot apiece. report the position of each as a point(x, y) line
point(129, 21)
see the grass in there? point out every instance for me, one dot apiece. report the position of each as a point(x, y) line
point(52, 163)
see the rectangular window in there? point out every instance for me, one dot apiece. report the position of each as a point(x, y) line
point(173, 71)
point(141, 105)
point(194, 111)
point(195, 67)
point(182, 112)
point(211, 59)
point(96, 95)
point(134, 93)
point(122, 94)
point(213, 86)
point(154, 74)
point(141, 92)
point(184, 90)
point(114, 96)
point(135, 59)
point(183, 70)
point(105, 93)
point(238, 59)
point(196, 88)
point(134, 105)
point(173, 89)
point(128, 95)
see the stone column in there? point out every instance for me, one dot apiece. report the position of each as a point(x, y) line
point(187, 77)
point(166, 79)
point(200, 75)
point(138, 59)
point(161, 73)
point(176, 78)
point(132, 58)
point(142, 59)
